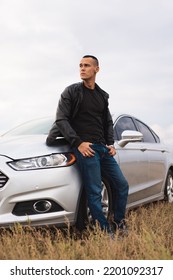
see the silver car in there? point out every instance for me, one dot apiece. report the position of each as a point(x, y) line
point(41, 185)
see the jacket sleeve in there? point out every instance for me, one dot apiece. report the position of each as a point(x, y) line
point(109, 132)
point(62, 124)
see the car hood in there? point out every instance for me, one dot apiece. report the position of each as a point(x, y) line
point(23, 146)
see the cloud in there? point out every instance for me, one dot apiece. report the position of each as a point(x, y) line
point(42, 42)
point(165, 133)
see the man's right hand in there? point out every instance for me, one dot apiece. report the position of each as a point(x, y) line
point(85, 149)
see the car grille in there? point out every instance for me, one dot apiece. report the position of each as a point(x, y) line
point(3, 179)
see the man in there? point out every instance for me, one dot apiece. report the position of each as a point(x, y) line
point(83, 118)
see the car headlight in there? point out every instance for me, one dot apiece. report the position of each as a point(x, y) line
point(48, 161)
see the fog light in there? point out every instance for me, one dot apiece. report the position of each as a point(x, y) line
point(42, 206)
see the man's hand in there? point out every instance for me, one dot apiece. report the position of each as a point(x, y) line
point(86, 150)
point(112, 150)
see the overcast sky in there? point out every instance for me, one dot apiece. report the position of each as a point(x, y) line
point(42, 42)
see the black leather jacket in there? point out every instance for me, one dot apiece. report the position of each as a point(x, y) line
point(67, 108)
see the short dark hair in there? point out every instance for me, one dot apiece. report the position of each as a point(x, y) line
point(93, 57)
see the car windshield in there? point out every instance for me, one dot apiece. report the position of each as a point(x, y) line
point(39, 126)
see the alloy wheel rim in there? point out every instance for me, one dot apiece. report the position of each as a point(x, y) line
point(104, 202)
point(170, 189)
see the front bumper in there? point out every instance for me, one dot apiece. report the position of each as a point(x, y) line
point(61, 185)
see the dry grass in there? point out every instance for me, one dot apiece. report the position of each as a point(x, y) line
point(150, 237)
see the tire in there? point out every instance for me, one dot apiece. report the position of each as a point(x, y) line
point(84, 217)
point(169, 187)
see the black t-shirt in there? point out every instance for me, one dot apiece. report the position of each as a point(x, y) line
point(88, 123)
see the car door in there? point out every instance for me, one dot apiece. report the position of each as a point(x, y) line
point(157, 156)
point(133, 160)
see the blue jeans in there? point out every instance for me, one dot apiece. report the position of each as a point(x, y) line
point(92, 169)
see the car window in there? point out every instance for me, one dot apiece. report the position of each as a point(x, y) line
point(156, 137)
point(124, 123)
point(40, 126)
point(148, 136)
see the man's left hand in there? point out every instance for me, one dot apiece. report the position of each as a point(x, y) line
point(112, 150)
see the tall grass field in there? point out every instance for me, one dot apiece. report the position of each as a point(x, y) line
point(150, 237)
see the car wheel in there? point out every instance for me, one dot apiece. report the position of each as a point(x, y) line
point(169, 187)
point(84, 217)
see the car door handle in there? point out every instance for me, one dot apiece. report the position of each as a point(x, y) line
point(143, 149)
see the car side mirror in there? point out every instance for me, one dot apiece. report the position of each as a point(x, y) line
point(129, 136)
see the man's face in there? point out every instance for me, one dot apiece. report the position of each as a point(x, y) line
point(88, 68)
